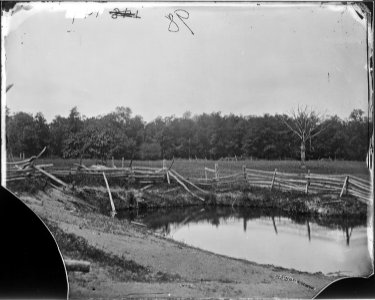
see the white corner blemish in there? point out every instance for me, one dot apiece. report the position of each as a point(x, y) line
point(351, 9)
point(355, 10)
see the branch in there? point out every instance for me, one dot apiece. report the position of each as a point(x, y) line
point(316, 133)
point(291, 128)
point(296, 119)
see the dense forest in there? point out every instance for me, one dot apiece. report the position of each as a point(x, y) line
point(205, 136)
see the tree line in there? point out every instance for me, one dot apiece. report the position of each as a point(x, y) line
point(206, 136)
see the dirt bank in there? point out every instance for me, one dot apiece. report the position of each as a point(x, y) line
point(127, 195)
point(130, 261)
point(240, 195)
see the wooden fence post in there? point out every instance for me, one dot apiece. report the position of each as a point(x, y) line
point(113, 162)
point(122, 162)
point(273, 178)
point(216, 170)
point(244, 172)
point(169, 181)
point(205, 173)
point(164, 164)
point(307, 182)
point(110, 196)
point(345, 186)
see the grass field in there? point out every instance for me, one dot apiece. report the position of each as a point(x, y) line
point(195, 168)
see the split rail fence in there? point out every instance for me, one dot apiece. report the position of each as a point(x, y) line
point(22, 169)
point(307, 183)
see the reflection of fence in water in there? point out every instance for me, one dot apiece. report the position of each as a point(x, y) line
point(283, 226)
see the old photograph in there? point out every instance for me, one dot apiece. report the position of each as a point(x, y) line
point(194, 149)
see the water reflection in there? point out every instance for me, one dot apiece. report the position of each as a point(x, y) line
point(274, 224)
point(161, 219)
point(308, 230)
point(267, 236)
point(348, 235)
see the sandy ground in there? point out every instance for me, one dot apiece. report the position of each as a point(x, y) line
point(197, 273)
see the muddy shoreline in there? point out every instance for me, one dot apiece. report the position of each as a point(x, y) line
point(132, 195)
point(130, 261)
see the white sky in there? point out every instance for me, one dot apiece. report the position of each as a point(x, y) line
point(242, 59)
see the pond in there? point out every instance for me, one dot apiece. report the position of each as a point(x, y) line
point(333, 247)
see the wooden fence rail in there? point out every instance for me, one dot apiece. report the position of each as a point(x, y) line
point(339, 184)
point(136, 173)
point(316, 183)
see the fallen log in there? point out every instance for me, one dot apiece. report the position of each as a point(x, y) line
point(185, 187)
point(187, 181)
point(77, 265)
point(139, 224)
point(51, 176)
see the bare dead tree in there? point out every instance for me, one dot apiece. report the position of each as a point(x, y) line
point(306, 124)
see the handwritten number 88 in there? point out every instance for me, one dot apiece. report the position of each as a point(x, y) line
point(182, 15)
point(173, 27)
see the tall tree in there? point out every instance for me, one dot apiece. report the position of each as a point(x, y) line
point(42, 131)
point(358, 133)
point(331, 142)
point(119, 134)
point(59, 133)
point(306, 124)
point(21, 133)
point(74, 120)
